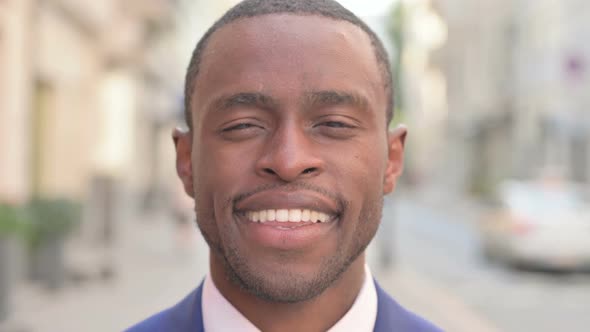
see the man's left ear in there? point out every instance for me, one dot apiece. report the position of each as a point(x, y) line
point(395, 162)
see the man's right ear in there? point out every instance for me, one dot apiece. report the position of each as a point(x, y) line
point(184, 167)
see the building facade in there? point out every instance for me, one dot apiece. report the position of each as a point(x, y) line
point(515, 80)
point(15, 64)
point(75, 73)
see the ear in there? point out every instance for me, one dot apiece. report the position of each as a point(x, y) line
point(396, 140)
point(184, 166)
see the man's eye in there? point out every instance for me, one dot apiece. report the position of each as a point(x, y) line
point(241, 131)
point(336, 124)
point(239, 126)
point(337, 129)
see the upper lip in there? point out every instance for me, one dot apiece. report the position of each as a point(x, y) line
point(276, 199)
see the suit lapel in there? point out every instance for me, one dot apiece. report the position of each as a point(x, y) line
point(384, 321)
point(187, 315)
point(196, 312)
point(390, 315)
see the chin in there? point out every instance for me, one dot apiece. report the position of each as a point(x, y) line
point(284, 282)
point(286, 287)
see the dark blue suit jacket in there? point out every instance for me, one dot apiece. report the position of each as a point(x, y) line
point(186, 316)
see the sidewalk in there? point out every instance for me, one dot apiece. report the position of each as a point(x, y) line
point(157, 265)
point(416, 293)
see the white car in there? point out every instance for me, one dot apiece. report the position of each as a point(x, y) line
point(539, 225)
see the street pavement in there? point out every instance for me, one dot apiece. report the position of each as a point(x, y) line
point(441, 241)
point(156, 262)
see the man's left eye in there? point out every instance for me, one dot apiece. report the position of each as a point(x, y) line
point(336, 124)
point(336, 129)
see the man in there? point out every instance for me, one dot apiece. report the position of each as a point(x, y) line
point(288, 156)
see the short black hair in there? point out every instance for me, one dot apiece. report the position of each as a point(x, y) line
point(253, 8)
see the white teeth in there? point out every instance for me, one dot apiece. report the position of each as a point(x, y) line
point(287, 215)
point(305, 215)
point(313, 216)
point(282, 215)
point(270, 215)
point(263, 217)
point(294, 215)
point(255, 216)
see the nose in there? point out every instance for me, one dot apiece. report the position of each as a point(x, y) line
point(290, 155)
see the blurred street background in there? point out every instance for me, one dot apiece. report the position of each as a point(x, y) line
point(488, 231)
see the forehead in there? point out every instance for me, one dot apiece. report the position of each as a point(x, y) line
point(286, 53)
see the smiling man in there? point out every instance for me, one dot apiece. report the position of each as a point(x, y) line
point(288, 156)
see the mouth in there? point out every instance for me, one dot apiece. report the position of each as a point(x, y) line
point(289, 217)
point(286, 229)
point(287, 221)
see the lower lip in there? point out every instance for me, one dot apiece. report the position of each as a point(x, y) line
point(286, 236)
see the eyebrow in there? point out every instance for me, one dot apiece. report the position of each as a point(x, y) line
point(310, 100)
point(246, 99)
point(318, 99)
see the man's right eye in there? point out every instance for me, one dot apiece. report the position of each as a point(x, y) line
point(241, 131)
point(239, 126)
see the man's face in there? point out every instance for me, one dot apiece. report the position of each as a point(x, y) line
point(289, 124)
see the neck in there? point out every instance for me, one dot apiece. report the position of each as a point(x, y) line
point(317, 314)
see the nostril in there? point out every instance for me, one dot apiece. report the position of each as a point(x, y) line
point(270, 171)
point(309, 170)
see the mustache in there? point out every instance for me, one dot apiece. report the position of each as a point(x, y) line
point(341, 202)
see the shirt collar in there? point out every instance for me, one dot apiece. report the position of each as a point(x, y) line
point(219, 315)
point(363, 313)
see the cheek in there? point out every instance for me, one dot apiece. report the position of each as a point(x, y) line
point(220, 172)
point(216, 164)
point(366, 167)
point(213, 182)
point(363, 172)
point(359, 177)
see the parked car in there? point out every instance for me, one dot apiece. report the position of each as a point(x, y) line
point(538, 225)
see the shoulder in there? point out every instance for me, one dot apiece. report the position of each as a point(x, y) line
point(391, 316)
point(184, 316)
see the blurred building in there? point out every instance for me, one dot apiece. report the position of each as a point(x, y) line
point(15, 66)
point(419, 32)
point(505, 92)
point(73, 98)
point(85, 86)
point(477, 63)
point(550, 65)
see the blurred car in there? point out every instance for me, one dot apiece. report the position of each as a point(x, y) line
point(538, 225)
